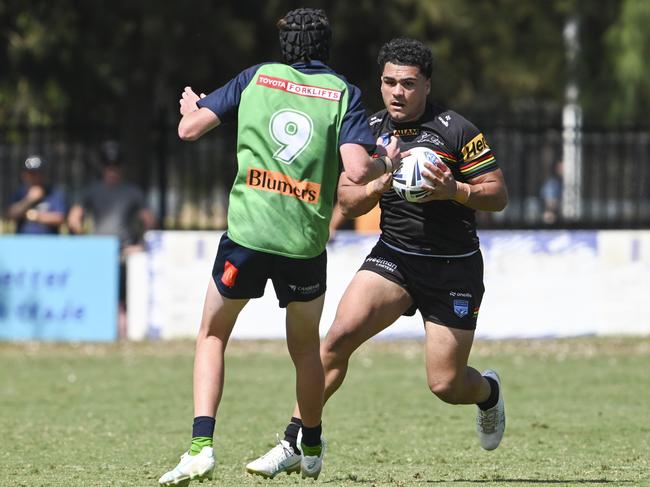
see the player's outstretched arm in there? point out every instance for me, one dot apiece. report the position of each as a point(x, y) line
point(195, 121)
point(361, 168)
point(358, 199)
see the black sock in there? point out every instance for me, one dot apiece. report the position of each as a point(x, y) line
point(291, 433)
point(492, 400)
point(203, 426)
point(311, 436)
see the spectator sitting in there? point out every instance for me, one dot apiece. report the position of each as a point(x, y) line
point(37, 208)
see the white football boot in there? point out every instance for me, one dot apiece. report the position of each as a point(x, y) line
point(191, 467)
point(280, 458)
point(310, 466)
point(491, 424)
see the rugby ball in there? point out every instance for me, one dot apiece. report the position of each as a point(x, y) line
point(408, 180)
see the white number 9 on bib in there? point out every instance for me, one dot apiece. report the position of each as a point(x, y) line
point(292, 130)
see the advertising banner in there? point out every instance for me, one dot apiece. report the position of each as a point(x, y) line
point(538, 284)
point(58, 288)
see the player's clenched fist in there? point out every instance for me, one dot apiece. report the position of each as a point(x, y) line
point(188, 100)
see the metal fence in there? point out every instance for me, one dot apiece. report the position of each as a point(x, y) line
point(187, 184)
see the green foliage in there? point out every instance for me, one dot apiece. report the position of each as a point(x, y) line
point(496, 53)
point(35, 43)
point(120, 415)
point(124, 63)
point(629, 42)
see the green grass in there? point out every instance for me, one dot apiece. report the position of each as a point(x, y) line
point(120, 415)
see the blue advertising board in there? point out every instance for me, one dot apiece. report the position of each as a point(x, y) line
point(58, 288)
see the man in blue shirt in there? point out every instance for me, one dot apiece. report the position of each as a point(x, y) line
point(37, 208)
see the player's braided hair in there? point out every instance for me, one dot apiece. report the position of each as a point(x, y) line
point(406, 52)
point(305, 35)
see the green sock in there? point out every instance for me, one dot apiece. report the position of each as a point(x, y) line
point(311, 451)
point(198, 442)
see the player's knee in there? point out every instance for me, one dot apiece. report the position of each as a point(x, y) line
point(332, 357)
point(335, 350)
point(445, 390)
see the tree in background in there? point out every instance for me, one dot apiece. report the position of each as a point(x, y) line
point(628, 40)
point(88, 62)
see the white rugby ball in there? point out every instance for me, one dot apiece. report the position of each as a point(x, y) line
point(408, 180)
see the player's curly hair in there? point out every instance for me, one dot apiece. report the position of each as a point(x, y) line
point(406, 52)
point(305, 35)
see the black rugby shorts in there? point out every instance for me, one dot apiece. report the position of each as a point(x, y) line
point(241, 273)
point(446, 291)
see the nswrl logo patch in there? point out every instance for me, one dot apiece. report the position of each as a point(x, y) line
point(461, 307)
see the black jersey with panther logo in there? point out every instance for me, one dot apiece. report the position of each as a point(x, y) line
point(437, 228)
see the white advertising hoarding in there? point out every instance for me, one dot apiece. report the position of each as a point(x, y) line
point(538, 284)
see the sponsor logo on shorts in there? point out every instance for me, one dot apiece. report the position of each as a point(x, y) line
point(459, 294)
point(383, 263)
point(229, 274)
point(461, 307)
point(298, 89)
point(276, 182)
point(311, 289)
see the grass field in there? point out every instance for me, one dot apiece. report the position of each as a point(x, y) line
point(120, 415)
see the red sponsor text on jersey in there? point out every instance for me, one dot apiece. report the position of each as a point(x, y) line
point(298, 89)
point(229, 274)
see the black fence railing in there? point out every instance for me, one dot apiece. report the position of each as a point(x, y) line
point(187, 184)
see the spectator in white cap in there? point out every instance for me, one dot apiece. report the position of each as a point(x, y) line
point(37, 208)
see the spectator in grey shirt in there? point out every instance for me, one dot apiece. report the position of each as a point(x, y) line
point(116, 207)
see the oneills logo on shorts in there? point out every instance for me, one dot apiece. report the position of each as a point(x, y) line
point(229, 274)
point(298, 89)
point(276, 182)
